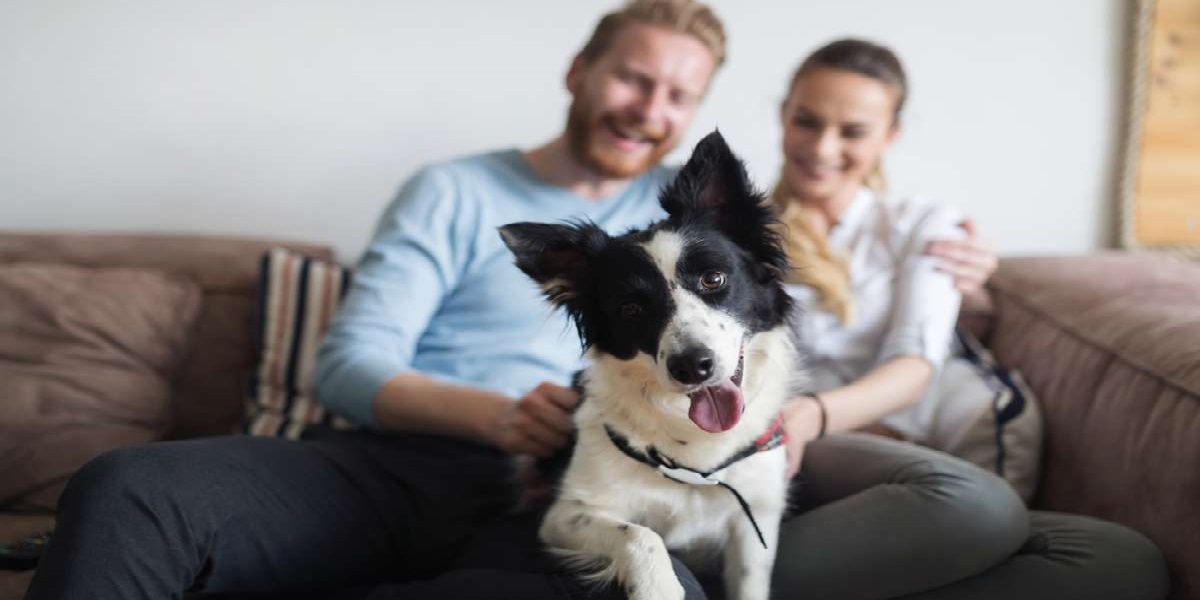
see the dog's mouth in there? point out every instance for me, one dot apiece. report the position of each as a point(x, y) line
point(717, 408)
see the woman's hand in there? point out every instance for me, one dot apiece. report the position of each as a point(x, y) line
point(802, 421)
point(539, 423)
point(969, 261)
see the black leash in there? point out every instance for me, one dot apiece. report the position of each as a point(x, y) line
point(671, 469)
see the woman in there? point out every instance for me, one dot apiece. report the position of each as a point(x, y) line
point(877, 518)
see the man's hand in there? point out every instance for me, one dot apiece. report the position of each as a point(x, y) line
point(969, 261)
point(539, 423)
point(802, 421)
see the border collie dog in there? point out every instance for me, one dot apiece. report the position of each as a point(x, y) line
point(685, 326)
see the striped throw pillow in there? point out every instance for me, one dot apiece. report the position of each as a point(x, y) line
point(298, 298)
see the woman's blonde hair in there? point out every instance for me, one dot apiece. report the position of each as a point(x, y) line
point(814, 262)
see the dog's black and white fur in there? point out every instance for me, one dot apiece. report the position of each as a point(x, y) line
point(685, 328)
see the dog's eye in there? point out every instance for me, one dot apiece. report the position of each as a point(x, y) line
point(712, 280)
point(630, 310)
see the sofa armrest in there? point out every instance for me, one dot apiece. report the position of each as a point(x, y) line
point(1111, 345)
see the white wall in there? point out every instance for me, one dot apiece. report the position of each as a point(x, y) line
point(298, 118)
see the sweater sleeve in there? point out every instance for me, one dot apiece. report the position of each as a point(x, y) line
point(925, 301)
point(413, 261)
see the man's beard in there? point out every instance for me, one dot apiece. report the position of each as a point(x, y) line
point(582, 129)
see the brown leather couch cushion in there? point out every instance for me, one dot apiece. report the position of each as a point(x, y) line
point(211, 388)
point(87, 359)
point(1111, 345)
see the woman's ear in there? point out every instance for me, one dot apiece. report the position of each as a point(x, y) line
point(783, 108)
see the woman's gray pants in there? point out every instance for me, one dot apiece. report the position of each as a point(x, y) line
point(877, 518)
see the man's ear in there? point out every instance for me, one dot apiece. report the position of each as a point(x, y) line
point(575, 72)
point(554, 256)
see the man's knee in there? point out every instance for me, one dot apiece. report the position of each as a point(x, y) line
point(126, 479)
point(108, 476)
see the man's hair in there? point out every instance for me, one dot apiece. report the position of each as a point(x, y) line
point(681, 16)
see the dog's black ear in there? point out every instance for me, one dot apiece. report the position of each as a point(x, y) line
point(714, 187)
point(712, 181)
point(555, 256)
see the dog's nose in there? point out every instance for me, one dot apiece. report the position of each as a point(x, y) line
point(691, 366)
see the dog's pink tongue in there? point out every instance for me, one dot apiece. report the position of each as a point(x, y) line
point(716, 408)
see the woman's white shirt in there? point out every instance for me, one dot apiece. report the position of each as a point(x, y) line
point(903, 306)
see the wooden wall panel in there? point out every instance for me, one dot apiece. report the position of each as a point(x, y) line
point(1166, 209)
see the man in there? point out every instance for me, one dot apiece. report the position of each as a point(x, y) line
point(636, 86)
point(443, 351)
point(439, 334)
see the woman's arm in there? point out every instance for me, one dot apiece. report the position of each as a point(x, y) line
point(971, 262)
point(924, 308)
point(891, 386)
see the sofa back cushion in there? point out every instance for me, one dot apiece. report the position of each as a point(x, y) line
point(87, 357)
point(209, 394)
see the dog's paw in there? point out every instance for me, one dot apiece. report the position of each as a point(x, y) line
point(649, 572)
point(751, 589)
point(655, 588)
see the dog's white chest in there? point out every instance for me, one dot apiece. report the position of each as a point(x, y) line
point(692, 515)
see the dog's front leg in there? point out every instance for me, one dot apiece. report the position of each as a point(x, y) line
point(747, 563)
point(633, 555)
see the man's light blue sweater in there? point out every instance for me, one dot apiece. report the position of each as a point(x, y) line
point(436, 290)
